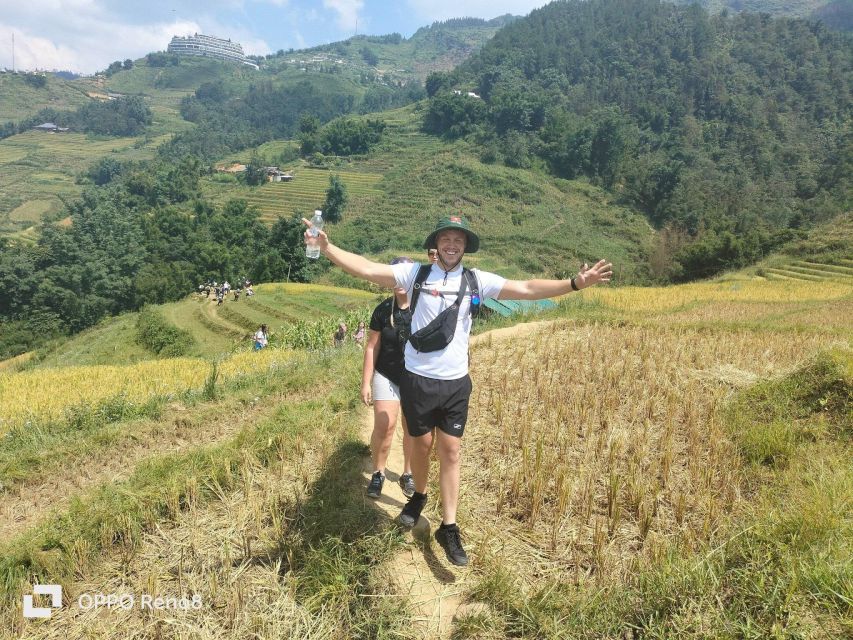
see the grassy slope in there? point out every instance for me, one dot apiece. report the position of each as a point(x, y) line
point(18, 99)
point(216, 330)
point(530, 223)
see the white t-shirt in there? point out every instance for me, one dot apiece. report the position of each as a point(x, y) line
point(451, 363)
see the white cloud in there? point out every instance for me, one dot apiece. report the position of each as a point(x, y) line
point(432, 10)
point(86, 35)
point(347, 11)
point(93, 47)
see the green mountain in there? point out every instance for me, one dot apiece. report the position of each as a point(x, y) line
point(730, 131)
point(438, 47)
point(366, 73)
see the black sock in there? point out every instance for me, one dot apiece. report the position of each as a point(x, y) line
point(452, 525)
point(418, 496)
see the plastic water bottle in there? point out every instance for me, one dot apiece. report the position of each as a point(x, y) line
point(312, 249)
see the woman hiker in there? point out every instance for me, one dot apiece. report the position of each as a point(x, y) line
point(390, 325)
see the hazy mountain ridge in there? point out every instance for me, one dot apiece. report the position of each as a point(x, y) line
point(836, 14)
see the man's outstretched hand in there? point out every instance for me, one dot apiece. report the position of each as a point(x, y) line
point(588, 276)
point(322, 238)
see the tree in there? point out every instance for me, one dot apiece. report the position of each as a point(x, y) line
point(369, 56)
point(104, 170)
point(114, 67)
point(438, 81)
point(336, 200)
point(288, 251)
point(255, 171)
point(128, 64)
point(36, 80)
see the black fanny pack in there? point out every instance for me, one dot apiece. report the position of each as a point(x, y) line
point(440, 331)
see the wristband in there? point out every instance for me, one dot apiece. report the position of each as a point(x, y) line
point(574, 286)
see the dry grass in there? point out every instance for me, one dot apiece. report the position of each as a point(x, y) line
point(645, 300)
point(226, 553)
point(590, 445)
point(45, 394)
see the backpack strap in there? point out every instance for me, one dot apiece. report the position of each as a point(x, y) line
point(474, 285)
point(423, 272)
point(469, 281)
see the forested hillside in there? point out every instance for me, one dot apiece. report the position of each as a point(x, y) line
point(724, 130)
point(836, 14)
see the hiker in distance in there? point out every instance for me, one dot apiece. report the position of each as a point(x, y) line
point(436, 388)
point(390, 326)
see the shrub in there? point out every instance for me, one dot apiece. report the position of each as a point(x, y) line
point(157, 334)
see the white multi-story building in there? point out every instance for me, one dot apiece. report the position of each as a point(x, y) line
point(209, 46)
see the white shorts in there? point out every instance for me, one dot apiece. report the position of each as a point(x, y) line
point(384, 389)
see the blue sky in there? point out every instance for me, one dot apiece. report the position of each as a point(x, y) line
point(86, 35)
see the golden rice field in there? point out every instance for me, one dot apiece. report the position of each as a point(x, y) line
point(646, 300)
point(45, 394)
point(601, 439)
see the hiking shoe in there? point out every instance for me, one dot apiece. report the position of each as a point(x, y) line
point(412, 511)
point(374, 489)
point(450, 540)
point(407, 484)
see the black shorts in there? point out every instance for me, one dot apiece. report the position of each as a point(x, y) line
point(428, 403)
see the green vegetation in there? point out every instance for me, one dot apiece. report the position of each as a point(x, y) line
point(20, 100)
point(125, 116)
point(161, 337)
point(297, 315)
point(40, 170)
point(677, 113)
point(32, 169)
point(304, 194)
point(394, 59)
point(836, 14)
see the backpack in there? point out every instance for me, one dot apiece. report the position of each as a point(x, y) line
point(439, 332)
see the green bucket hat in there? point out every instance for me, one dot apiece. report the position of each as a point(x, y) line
point(454, 222)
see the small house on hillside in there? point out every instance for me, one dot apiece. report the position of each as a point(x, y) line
point(279, 176)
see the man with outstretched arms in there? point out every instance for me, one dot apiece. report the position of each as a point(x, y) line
point(436, 388)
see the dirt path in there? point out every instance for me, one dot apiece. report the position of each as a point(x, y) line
point(510, 332)
point(434, 586)
point(211, 311)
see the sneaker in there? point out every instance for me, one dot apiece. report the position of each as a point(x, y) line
point(412, 511)
point(450, 540)
point(374, 489)
point(407, 484)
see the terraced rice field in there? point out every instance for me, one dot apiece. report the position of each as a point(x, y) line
point(840, 271)
point(305, 193)
point(42, 167)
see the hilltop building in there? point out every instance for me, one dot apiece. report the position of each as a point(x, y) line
point(209, 46)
